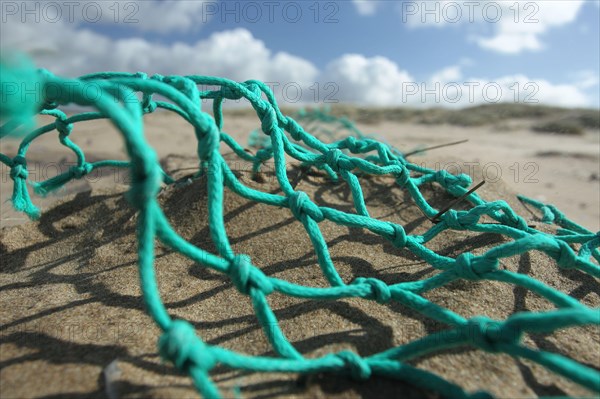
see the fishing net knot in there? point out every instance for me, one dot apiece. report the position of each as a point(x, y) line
point(19, 168)
point(450, 181)
point(79, 171)
point(567, 258)
point(246, 276)
point(358, 367)
point(148, 105)
point(64, 129)
point(300, 205)
point(184, 85)
point(552, 214)
point(230, 93)
point(356, 146)
point(517, 221)
point(252, 87)
point(470, 267)
point(333, 157)
point(380, 291)
point(459, 220)
point(490, 335)
point(398, 237)
point(403, 177)
point(180, 345)
point(268, 118)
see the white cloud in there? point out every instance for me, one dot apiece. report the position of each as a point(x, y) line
point(516, 26)
point(236, 54)
point(586, 79)
point(511, 43)
point(515, 34)
point(448, 74)
point(379, 81)
point(171, 15)
point(366, 7)
point(376, 81)
point(524, 89)
point(162, 17)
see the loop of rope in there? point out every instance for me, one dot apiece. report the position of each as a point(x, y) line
point(177, 345)
point(459, 220)
point(245, 276)
point(148, 105)
point(403, 177)
point(488, 334)
point(471, 267)
point(301, 205)
point(399, 237)
point(80, 171)
point(268, 121)
point(567, 259)
point(64, 129)
point(517, 221)
point(450, 181)
point(186, 86)
point(356, 146)
point(333, 157)
point(19, 168)
point(359, 369)
point(553, 215)
point(380, 291)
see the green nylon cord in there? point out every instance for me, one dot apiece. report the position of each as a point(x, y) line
point(350, 158)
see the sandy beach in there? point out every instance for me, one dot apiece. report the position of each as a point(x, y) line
point(563, 170)
point(77, 328)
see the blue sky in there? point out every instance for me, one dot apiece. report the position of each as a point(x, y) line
point(374, 51)
point(570, 47)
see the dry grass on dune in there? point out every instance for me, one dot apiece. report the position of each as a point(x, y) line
point(546, 119)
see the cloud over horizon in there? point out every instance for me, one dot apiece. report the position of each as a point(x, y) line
point(238, 55)
point(516, 26)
